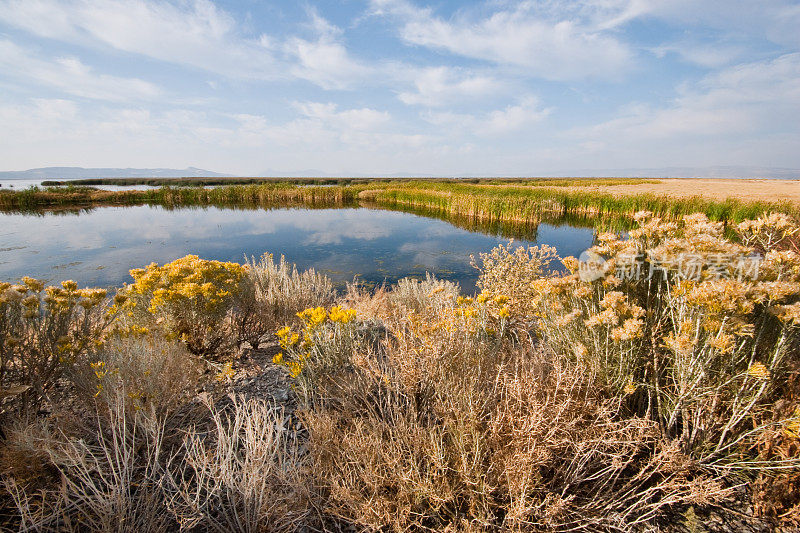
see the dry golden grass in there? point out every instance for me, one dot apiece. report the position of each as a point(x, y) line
point(748, 190)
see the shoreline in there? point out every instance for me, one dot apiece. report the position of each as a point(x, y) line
point(488, 200)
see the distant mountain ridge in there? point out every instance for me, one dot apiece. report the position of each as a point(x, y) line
point(79, 172)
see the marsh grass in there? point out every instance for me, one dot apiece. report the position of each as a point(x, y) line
point(204, 182)
point(515, 203)
point(199, 182)
point(248, 196)
point(512, 202)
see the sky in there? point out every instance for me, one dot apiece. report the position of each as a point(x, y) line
point(252, 87)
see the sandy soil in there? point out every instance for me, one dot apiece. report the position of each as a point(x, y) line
point(765, 190)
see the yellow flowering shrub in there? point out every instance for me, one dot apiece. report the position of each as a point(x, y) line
point(43, 331)
point(510, 271)
point(326, 340)
point(273, 293)
point(452, 419)
point(189, 299)
point(417, 295)
point(140, 372)
point(676, 318)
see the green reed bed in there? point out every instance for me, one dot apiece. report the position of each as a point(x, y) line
point(236, 195)
point(513, 202)
point(257, 195)
point(342, 181)
point(564, 182)
point(202, 182)
point(485, 200)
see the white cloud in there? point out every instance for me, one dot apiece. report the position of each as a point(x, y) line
point(324, 60)
point(705, 55)
point(42, 120)
point(438, 86)
point(324, 127)
point(194, 33)
point(71, 76)
point(498, 122)
point(364, 119)
point(547, 44)
point(726, 115)
point(776, 20)
point(56, 132)
point(325, 63)
point(476, 59)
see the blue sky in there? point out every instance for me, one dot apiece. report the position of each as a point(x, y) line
point(399, 86)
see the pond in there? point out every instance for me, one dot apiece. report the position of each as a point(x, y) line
point(98, 247)
point(22, 184)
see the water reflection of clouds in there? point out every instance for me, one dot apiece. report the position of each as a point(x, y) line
point(431, 253)
point(99, 247)
point(332, 227)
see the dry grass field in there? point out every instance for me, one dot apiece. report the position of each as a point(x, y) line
point(748, 190)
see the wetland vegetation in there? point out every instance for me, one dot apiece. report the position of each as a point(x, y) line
point(488, 200)
point(213, 395)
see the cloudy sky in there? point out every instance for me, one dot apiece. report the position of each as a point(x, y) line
point(399, 86)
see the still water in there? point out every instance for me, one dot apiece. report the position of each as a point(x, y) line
point(99, 247)
point(21, 185)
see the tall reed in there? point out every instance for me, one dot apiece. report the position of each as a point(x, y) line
point(488, 201)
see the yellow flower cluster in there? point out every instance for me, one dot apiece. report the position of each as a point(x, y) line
point(295, 368)
point(706, 292)
point(485, 314)
point(130, 330)
point(101, 371)
point(287, 337)
point(314, 318)
point(342, 316)
point(768, 232)
point(187, 299)
point(48, 326)
point(188, 279)
point(683, 339)
point(512, 272)
point(484, 305)
point(58, 299)
point(624, 318)
point(630, 387)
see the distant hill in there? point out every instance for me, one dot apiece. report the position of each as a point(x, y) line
point(72, 173)
point(68, 173)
